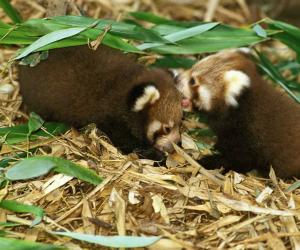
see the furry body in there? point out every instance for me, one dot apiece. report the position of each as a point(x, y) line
point(79, 86)
point(257, 126)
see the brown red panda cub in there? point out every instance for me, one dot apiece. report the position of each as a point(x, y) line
point(137, 107)
point(257, 126)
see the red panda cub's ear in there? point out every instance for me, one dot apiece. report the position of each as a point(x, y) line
point(143, 96)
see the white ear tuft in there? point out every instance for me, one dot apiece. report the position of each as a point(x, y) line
point(236, 81)
point(150, 96)
point(245, 50)
point(205, 98)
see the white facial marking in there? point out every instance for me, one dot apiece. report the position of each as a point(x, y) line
point(151, 95)
point(183, 85)
point(236, 82)
point(153, 127)
point(205, 98)
point(244, 50)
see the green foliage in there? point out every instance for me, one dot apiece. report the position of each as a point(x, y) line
point(260, 31)
point(180, 35)
point(290, 35)
point(23, 208)
point(50, 38)
point(35, 123)
point(113, 241)
point(19, 133)
point(13, 244)
point(174, 62)
point(165, 38)
point(10, 11)
point(40, 165)
point(265, 64)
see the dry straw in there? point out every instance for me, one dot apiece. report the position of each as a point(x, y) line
point(191, 207)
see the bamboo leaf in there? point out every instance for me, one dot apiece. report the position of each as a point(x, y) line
point(149, 17)
point(260, 31)
point(30, 168)
point(155, 19)
point(35, 123)
point(119, 29)
point(18, 133)
point(10, 11)
point(23, 208)
point(41, 165)
point(14, 244)
point(174, 62)
point(50, 38)
point(292, 187)
point(288, 28)
point(113, 241)
point(181, 35)
point(274, 74)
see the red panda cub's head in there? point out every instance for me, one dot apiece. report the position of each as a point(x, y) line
point(216, 82)
point(159, 103)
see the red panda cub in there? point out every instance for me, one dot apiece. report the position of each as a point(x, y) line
point(257, 126)
point(138, 108)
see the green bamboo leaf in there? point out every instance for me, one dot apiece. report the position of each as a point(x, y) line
point(72, 169)
point(149, 17)
point(155, 19)
point(30, 168)
point(50, 38)
point(15, 206)
point(41, 165)
point(119, 29)
point(265, 64)
point(292, 187)
point(181, 35)
point(34, 58)
point(109, 40)
point(288, 28)
point(5, 161)
point(9, 224)
point(220, 37)
point(118, 43)
point(259, 31)
point(113, 241)
point(40, 27)
point(174, 62)
point(19, 133)
point(4, 25)
point(190, 32)
point(291, 41)
point(289, 34)
point(35, 123)
point(13, 244)
point(10, 11)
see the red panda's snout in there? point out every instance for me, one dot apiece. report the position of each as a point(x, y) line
point(163, 135)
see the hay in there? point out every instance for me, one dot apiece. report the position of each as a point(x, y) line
point(192, 208)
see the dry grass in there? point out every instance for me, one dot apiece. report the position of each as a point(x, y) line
point(191, 207)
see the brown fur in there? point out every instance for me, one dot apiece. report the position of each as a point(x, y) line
point(78, 86)
point(263, 130)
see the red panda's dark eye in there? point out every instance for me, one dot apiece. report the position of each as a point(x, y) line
point(167, 130)
point(192, 81)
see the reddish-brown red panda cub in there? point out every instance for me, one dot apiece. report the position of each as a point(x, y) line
point(137, 107)
point(257, 126)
